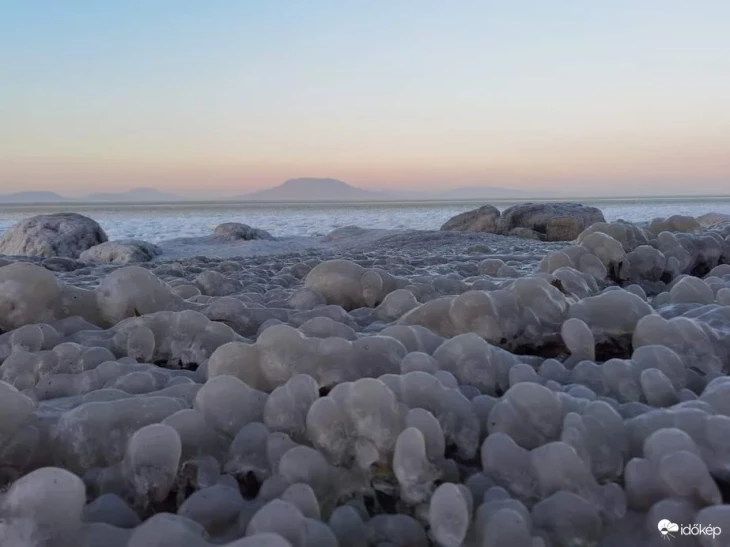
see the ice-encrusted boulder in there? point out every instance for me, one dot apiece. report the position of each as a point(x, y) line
point(553, 221)
point(545, 221)
point(484, 219)
point(58, 234)
point(236, 231)
point(674, 223)
point(709, 220)
point(123, 251)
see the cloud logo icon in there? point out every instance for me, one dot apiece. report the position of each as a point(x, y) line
point(667, 527)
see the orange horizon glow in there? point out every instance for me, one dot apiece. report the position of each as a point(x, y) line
point(551, 98)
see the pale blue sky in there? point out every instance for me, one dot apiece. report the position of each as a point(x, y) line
point(624, 95)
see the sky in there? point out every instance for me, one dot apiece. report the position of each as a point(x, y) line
point(613, 98)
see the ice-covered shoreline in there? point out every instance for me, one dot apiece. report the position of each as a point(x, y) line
point(369, 388)
point(158, 222)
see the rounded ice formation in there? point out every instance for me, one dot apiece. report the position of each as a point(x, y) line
point(449, 515)
point(612, 314)
point(431, 390)
point(121, 252)
point(529, 413)
point(28, 294)
point(579, 339)
point(349, 285)
point(48, 501)
point(59, 234)
point(15, 410)
point(151, 462)
point(629, 235)
point(133, 291)
point(227, 404)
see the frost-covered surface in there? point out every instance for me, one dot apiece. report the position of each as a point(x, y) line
point(373, 388)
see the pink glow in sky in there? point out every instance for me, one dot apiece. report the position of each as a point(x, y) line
point(226, 97)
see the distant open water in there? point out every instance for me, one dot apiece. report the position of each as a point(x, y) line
point(160, 221)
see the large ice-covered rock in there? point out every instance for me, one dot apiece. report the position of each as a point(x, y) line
point(675, 223)
point(59, 234)
point(546, 221)
point(123, 251)
point(553, 221)
point(484, 219)
point(236, 231)
point(709, 220)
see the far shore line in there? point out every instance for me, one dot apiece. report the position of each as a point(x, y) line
point(389, 202)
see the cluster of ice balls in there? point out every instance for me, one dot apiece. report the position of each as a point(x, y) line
point(351, 406)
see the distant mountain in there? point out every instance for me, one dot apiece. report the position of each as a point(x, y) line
point(32, 197)
point(133, 195)
point(314, 189)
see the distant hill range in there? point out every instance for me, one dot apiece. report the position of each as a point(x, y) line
point(313, 189)
point(133, 195)
point(299, 189)
point(32, 197)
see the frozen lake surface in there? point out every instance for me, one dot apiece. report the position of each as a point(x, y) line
point(162, 221)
